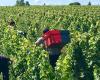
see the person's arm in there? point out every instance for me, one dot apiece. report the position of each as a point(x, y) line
point(39, 41)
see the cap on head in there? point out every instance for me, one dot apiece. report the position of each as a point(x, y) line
point(45, 30)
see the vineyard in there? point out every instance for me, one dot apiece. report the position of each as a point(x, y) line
point(80, 59)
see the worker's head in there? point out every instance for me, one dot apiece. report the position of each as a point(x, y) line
point(11, 22)
point(45, 30)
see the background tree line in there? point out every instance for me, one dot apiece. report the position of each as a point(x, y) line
point(77, 3)
point(22, 3)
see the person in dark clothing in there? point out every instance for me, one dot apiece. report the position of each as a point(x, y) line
point(54, 51)
point(4, 67)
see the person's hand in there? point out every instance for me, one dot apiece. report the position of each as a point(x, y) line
point(36, 44)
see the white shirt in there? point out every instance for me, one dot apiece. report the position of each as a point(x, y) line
point(39, 41)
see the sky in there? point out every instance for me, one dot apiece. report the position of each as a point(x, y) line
point(49, 2)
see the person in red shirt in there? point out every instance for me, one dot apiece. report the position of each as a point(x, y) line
point(53, 51)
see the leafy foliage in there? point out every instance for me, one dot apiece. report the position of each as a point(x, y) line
point(80, 59)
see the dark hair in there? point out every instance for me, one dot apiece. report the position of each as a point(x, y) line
point(12, 22)
point(45, 30)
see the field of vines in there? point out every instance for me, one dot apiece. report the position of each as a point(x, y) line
point(79, 60)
